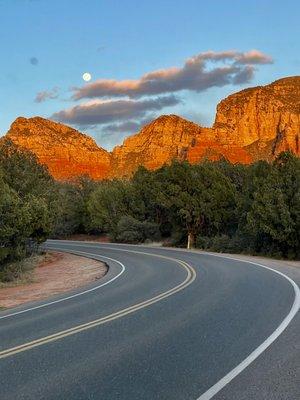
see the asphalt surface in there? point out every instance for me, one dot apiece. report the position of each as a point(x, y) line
point(162, 324)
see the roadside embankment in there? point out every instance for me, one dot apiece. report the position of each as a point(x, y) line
point(56, 273)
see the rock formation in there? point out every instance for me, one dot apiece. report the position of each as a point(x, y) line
point(171, 137)
point(264, 120)
point(256, 123)
point(67, 152)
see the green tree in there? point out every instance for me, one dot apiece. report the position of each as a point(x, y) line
point(25, 193)
point(130, 230)
point(68, 208)
point(274, 215)
point(147, 186)
point(23, 172)
point(39, 225)
point(109, 202)
point(14, 222)
point(199, 197)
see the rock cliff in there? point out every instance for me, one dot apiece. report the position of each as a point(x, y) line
point(264, 120)
point(164, 139)
point(256, 123)
point(67, 152)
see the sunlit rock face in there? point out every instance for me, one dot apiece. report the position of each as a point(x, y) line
point(166, 138)
point(67, 152)
point(264, 120)
point(171, 137)
point(256, 123)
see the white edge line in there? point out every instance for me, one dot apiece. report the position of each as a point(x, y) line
point(191, 274)
point(213, 390)
point(76, 294)
point(260, 349)
point(217, 387)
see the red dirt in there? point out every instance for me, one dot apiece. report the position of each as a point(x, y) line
point(63, 272)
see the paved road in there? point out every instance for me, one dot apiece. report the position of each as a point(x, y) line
point(162, 324)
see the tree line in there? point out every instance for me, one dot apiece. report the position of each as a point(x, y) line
point(216, 206)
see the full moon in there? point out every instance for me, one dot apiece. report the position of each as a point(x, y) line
point(86, 76)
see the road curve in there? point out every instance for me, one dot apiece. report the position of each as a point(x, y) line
point(162, 324)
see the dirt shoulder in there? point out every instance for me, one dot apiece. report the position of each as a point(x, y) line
point(56, 273)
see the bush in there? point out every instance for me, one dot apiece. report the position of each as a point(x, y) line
point(150, 231)
point(130, 230)
point(129, 236)
point(25, 217)
point(224, 243)
point(20, 270)
point(178, 238)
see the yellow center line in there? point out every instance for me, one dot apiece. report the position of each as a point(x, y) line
point(191, 275)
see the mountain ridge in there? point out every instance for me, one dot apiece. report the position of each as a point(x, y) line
point(66, 151)
point(252, 124)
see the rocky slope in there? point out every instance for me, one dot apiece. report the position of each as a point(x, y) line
point(67, 152)
point(256, 123)
point(165, 138)
point(171, 137)
point(264, 120)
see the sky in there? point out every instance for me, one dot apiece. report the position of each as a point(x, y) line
point(145, 58)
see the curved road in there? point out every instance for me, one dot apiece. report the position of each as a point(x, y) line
point(162, 324)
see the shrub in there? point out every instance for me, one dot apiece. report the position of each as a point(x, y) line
point(130, 230)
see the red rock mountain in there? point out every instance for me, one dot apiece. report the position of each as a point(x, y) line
point(264, 120)
point(172, 137)
point(256, 123)
point(67, 152)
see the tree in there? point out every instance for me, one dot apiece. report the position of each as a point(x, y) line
point(68, 208)
point(130, 230)
point(39, 221)
point(274, 215)
point(109, 202)
point(147, 187)
point(23, 172)
point(198, 196)
point(25, 193)
point(14, 222)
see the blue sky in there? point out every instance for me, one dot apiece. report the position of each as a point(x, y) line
point(46, 46)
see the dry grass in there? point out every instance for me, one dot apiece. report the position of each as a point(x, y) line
point(22, 272)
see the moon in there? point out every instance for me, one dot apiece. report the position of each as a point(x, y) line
point(86, 76)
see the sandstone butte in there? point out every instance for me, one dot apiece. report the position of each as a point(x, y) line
point(253, 124)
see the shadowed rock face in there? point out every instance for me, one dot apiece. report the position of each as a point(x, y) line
point(256, 123)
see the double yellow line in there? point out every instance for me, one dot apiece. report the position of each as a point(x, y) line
point(191, 275)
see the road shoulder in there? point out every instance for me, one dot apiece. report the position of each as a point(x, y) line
point(275, 373)
point(62, 272)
